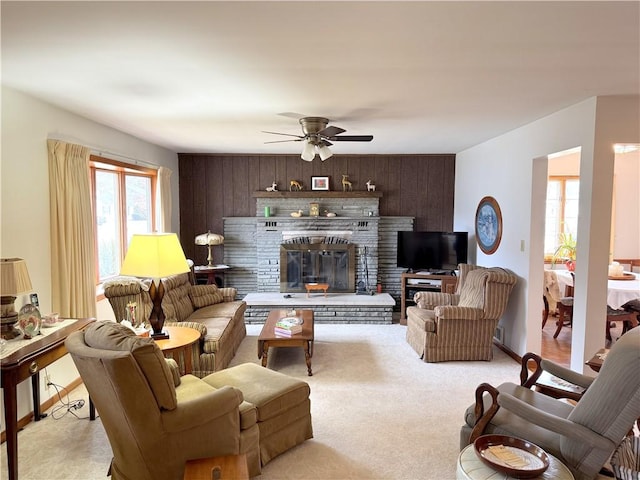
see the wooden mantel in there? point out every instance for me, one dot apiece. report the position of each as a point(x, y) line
point(316, 194)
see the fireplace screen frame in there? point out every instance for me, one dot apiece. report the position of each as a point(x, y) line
point(309, 254)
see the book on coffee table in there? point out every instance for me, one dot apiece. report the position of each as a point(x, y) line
point(288, 325)
point(283, 332)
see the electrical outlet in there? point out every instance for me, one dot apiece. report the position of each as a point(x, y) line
point(47, 381)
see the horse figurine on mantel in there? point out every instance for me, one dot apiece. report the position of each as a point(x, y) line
point(295, 185)
point(346, 184)
point(371, 187)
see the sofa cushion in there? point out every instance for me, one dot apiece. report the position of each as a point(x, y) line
point(106, 335)
point(215, 336)
point(205, 295)
point(176, 302)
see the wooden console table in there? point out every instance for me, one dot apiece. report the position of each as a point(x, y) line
point(417, 281)
point(26, 362)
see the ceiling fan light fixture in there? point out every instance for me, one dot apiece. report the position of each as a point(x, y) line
point(324, 152)
point(309, 152)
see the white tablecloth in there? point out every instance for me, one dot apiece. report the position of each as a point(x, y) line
point(619, 292)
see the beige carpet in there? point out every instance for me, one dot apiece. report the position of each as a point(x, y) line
point(378, 412)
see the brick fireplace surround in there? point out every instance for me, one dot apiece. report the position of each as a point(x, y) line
point(252, 248)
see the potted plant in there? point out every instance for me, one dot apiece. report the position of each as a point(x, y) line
point(566, 250)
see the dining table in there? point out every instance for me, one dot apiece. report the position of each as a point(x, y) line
point(619, 292)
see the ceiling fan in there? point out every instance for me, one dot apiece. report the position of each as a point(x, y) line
point(318, 137)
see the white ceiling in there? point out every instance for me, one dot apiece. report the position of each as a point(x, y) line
point(421, 77)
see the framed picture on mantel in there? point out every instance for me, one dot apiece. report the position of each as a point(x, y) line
point(320, 183)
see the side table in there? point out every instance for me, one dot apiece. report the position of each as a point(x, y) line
point(596, 361)
point(470, 467)
point(228, 467)
point(214, 275)
point(180, 339)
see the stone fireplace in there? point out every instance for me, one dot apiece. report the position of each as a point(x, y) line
point(317, 257)
point(253, 244)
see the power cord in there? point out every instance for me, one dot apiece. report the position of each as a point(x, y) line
point(67, 407)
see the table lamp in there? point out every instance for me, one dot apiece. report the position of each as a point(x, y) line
point(209, 239)
point(14, 281)
point(155, 256)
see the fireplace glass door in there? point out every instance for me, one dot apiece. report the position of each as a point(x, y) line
point(317, 263)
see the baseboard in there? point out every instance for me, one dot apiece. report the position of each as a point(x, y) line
point(506, 350)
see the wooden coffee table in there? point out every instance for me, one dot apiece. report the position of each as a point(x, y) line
point(303, 339)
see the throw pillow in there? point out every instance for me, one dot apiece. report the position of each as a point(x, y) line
point(204, 295)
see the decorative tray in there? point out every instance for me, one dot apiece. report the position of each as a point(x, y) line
point(625, 276)
point(292, 320)
point(516, 457)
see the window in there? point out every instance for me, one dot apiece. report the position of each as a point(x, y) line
point(123, 199)
point(562, 211)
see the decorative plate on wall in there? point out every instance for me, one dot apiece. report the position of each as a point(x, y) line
point(488, 225)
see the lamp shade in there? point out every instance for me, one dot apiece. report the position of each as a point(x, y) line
point(154, 255)
point(209, 239)
point(14, 277)
point(324, 152)
point(309, 152)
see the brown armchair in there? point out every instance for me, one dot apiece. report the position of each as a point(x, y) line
point(460, 326)
point(154, 419)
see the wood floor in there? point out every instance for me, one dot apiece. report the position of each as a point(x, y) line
point(558, 350)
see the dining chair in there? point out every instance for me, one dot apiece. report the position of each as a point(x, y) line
point(565, 308)
point(629, 319)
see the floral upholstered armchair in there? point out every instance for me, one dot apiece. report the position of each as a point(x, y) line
point(461, 325)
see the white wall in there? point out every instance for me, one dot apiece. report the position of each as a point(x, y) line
point(27, 123)
point(626, 240)
point(513, 169)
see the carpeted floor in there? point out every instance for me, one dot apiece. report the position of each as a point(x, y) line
point(378, 412)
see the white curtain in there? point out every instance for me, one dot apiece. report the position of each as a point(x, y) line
point(73, 287)
point(163, 200)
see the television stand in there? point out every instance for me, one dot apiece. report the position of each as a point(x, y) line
point(430, 272)
point(413, 282)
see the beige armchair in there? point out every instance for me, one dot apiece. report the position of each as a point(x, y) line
point(154, 419)
point(461, 325)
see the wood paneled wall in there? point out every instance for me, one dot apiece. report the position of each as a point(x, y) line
point(213, 186)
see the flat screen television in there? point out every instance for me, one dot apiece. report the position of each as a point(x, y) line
point(432, 251)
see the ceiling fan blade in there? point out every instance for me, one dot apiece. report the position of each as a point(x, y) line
point(293, 115)
point(352, 138)
point(331, 131)
point(326, 143)
point(282, 141)
point(287, 134)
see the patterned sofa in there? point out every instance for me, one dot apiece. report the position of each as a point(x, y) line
point(213, 311)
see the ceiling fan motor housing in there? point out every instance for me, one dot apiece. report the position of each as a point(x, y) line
point(313, 125)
